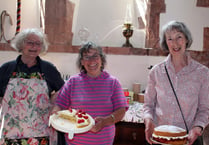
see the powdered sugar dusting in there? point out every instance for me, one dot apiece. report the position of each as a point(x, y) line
point(169, 128)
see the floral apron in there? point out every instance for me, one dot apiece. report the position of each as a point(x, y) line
point(26, 107)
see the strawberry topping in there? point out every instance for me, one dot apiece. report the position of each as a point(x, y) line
point(70, 109)
point(80, 120)
point(85, 117)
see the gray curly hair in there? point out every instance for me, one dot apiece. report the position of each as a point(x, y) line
point(18, 42)
point(86, 48)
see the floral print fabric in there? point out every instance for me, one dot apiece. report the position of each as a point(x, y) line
point(26, 107)
point(26, 76)
point(28, 141)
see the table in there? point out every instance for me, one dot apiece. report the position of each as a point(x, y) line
point(130, 130)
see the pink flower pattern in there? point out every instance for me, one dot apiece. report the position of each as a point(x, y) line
point(26, 109)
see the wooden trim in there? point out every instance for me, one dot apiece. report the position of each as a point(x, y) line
point(202, 3)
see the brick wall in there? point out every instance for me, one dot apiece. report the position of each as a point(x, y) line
point(206, 39)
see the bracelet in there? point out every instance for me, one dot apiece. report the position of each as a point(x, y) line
point(113, 118)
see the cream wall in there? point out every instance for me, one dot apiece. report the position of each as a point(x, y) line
point(194, 17)
point(128, 68)
point(104, 19)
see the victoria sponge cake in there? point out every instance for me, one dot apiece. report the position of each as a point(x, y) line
point(169, 134)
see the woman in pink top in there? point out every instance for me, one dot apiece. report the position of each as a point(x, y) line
point(96, 92)
point(190, 81)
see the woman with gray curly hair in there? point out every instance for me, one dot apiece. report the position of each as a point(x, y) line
point(27, 86)
point(85, 49)
point(177, 90)
point(97, 93)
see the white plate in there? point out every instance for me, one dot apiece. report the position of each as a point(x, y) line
point(66, 126)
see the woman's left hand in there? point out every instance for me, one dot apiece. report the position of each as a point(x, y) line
point(99, 124)
point(193, 134)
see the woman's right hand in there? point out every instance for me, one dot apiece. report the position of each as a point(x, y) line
point(55, 109)
point(149, 128)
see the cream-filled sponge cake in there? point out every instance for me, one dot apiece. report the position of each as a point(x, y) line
point(169, 134)
point(79, 117)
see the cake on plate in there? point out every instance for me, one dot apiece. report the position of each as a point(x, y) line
point(79, 117)
point(169, 134)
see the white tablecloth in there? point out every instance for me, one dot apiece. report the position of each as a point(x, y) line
point(134, 113)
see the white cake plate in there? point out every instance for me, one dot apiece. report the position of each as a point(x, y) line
point(66, 126)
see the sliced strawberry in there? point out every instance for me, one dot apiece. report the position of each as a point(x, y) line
point(86, 117)
point(70, 109)
point(80, 121)
point(84, 113)
point(80, 115)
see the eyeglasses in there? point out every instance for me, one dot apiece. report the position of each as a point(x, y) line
point(33, 43)
point(93, 57)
